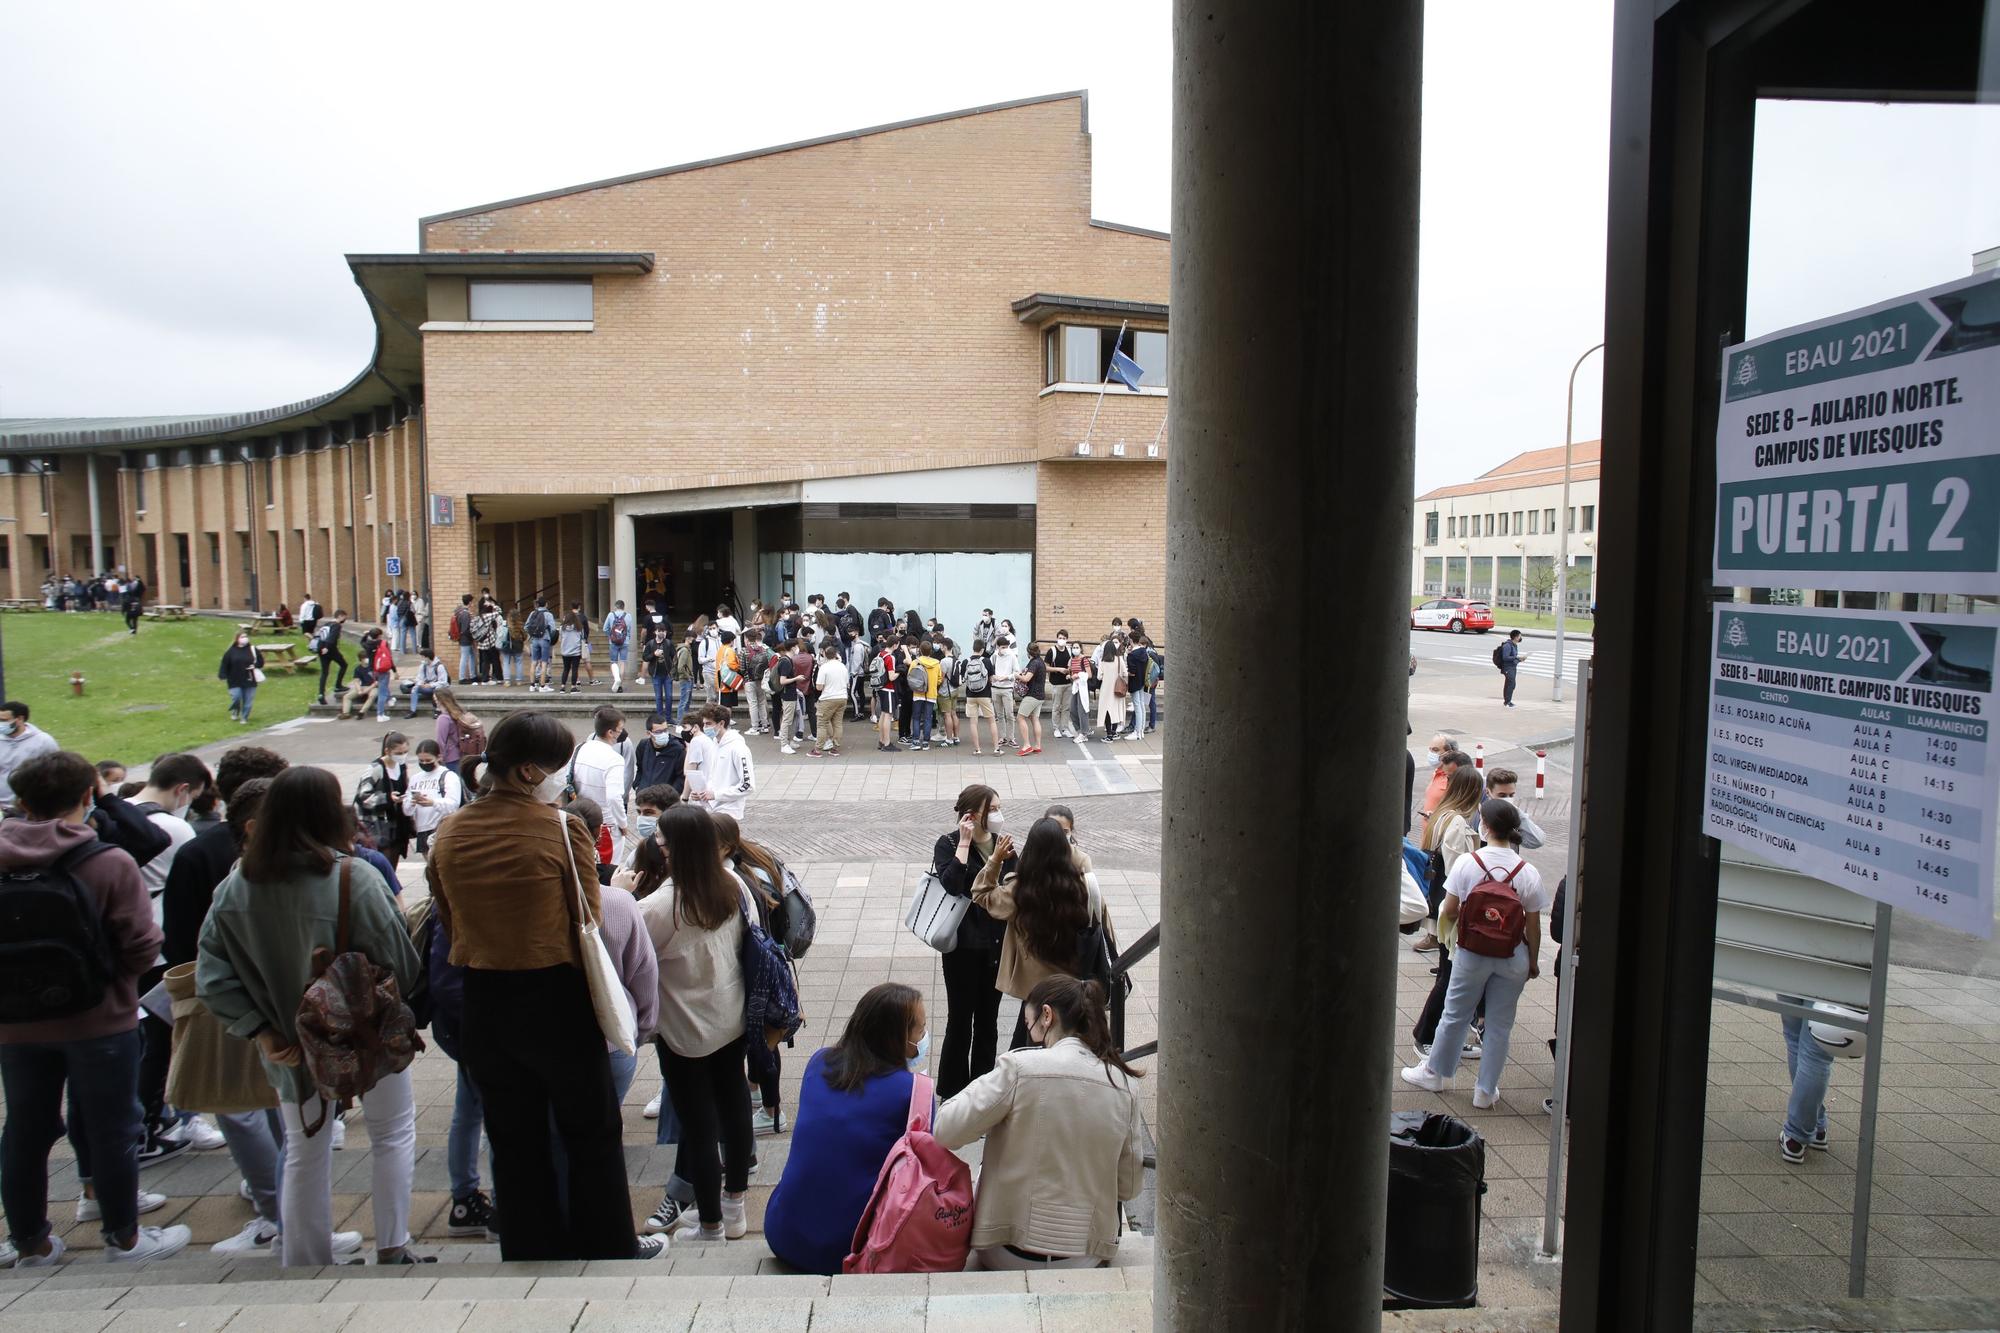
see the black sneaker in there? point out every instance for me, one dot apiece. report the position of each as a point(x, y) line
point(162, 1147)
point(1790, 1148)
point(472, 1216)
point(668, 1215)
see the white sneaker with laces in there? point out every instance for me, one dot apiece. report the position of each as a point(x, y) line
point(203, 1134)
point(151, 1243)
point(56, 1248)
point(735, 1216)
point(786, 749)
point(1482, 1100)
point(88, 1209)
point(694, 1233)
point(652, 1111)
point(339, 1133)
point(651, 1247)
point(669, 1214)
point(256, 1237)
point(767, 1122)
point(243, 1191)
point(346, 1243)
point(1420, 1076)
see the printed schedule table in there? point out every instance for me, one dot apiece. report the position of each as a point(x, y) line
point(1853, 746)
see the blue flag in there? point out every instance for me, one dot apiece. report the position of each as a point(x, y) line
point(1125, 370)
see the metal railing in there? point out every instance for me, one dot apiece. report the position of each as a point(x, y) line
point(1147, 944)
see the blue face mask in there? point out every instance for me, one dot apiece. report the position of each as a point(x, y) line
point(923, 1055)
point(648, 825)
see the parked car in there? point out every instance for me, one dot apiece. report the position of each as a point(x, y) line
point(1457, 614)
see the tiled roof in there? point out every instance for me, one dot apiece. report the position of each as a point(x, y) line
point(1537, 467)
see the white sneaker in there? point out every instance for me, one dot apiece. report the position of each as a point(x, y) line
point(8, 1254)
point(694, 1233)
point(652, 1111)
point(339, 1133)
point(56, 1248)
point(88, 1210)
point(202, 1133)
point(735, 1217)
point(151, 1243)
point(1420, 1076)
point(243, 1191)
point(1482, 1101)
point(256, 1237)
point(767, 1122)
point(786, 749)
point(346, 1243)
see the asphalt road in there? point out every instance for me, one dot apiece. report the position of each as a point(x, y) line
point(1440, 650)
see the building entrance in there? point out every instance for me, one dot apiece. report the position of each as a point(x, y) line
point(686, 560)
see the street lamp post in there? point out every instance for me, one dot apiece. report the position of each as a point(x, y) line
point(1562, 519)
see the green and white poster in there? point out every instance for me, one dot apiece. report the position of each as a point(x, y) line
point(1862, 452)
point(1855, 747)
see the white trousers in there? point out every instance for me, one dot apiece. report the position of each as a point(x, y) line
point(390, 1109)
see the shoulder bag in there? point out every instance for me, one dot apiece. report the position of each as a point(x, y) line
point(615, 1018)
point(935, 914)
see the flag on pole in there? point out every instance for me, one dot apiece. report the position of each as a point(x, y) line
point(1125, 370)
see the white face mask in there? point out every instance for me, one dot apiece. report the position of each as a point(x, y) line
point(994, 821)
point(923, 1055)
point(550, 789)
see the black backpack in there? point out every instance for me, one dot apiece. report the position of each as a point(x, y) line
point(1496, 657)
point(54, 961)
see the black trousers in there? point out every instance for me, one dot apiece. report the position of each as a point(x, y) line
point(532, 1046)
point(1427, 1021)
point(489, 665)
point(332, 661)
point(713, 1102)
point(972, 1018)
point(570, 665)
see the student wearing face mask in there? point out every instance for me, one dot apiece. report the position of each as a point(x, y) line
point(378, 798)
point(972, 968)
point(726, 776)
point(854, 1104)
point(241, 670)
point(1057, 661)
point(20, 741)
point(1048, 904)
point(1063, 1139)
point(659, 759)
point(434, 791)
point(505, 872)
point(1502, 783)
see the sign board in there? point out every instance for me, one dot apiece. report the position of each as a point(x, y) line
point(1863, 451)
point(444, 511)
point(1853, 746)
point(392, 565)
point(604, 571)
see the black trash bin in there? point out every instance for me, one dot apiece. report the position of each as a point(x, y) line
point(1437, 1171)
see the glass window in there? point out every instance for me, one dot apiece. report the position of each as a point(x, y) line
point(1082, 349)
point(1534, 521)
point(6, 552)
point(529, 300)
point(214, 548)
point(1051, 356)
point(1431, 528)
point(270, 482)
point(1489, 525)
point(151, 461)
point(138, 492)
point(6, 466)
point(1503, 525)
point(212, 454)
point(1150, 351)
point(1590, 518)
point(1572, 518)
point(485, 558)
point(1518, 529)
point(1548, 520)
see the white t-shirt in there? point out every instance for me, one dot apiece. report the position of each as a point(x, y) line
point(447, 793)
point(1465, 876)
point(832, 678)
point(154, 873)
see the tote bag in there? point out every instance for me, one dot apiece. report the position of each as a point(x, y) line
point(934, 914)
point(607, 993)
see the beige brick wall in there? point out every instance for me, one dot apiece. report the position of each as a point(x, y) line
point(1100, 546)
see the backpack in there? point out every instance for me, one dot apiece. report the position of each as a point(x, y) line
point(54, 961)
point(978, 676)
point(877, 671)
point(770, 991)
point(919, 1218)
point(385, 661)
point(616, 629)
point(727, 676)
point(1496, 657)
point(1152, 670)
point(1491, 920)
point(919, 677)
point(460, 622)
point(353, 1027)
point(793, 920)
point(538, 625)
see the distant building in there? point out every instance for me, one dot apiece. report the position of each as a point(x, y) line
point(1490, 537)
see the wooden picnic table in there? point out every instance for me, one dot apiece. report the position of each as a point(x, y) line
point(290, 655)
point(168, 611)
point(21, 604)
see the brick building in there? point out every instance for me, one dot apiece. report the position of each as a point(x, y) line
point(865, 363)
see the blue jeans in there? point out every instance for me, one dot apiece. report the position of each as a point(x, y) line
point(468, 663)
point(406, 638)
point(103, 1078)
point(510, 664)
point(1500, 981)
point(1507, 692)
point(921, 714)
point(417, 696)
point(256, 1142)
point(240, 699)
point(468, 1119)
point(663, 689)
point(1811, 1067)
point(687, 697)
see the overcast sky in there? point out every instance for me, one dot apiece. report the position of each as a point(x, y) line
point(182, 181)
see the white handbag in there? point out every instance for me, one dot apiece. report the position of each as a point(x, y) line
point(607, 993)
point(934, 914)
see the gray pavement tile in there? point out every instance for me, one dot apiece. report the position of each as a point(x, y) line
point(1976, 1277)
point(55, 1321)
point(785, 1315)
point(1075, 1280)
point(480, 1288)
point(992, 1312)
point(517, 1316)
point(878, 1286)
point(401, 1316)
point(183, 1319)
point(322, 1318)
point(880, 1313)
point(45, 1299)
point(364, 1289)
point(637, 1317)
point(580, 1288)
point(679, 1289)
point(772, 1286)
point(273, 1292)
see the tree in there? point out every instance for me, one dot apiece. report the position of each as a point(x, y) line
point(1541, 583)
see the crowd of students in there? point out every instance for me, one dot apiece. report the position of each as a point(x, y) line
point(526, 837)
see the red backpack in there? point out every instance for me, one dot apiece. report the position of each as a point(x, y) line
point(1491, 920)
point(919, 1219)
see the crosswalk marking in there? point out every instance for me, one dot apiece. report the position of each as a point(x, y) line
point(1543, 665)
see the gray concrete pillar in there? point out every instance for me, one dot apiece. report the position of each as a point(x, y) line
point(1289, 483)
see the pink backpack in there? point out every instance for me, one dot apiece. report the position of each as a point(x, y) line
point(919, 1219)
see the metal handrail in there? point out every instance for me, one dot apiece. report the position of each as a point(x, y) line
point(1132, 957)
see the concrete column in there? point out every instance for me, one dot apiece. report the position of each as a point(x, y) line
point(96, 519)
point(624, 559)
point(743, 559)
point(1293, 371)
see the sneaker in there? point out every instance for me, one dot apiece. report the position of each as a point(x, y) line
point(694, 1233)
point(56, 1248)
point(339, 1133)
point(162, 1148)
point(668, 1215)
point(87, 1209)
point(243, 1191)
point(1076, 738)
point(1472, 1048)
point(770, 1121)
point(257, 1237)
point(151, 1243)
point(1426, 942)
point(203, 1134)
point(1817, 1142)
point(1420, 1076)
point(890, 749)
point(1790, 1148)
point(786, 749)
point(8, 1254)
point(651, 1247)
point(815, 754)
point(1483, 1100)
point(346, 1243)
point(735, 1217)
point(1423, 1050)
point(652, 1111)
point(471, 1216)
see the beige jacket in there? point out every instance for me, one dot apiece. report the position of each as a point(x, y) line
point(1020, 970)
point(1063, 1146)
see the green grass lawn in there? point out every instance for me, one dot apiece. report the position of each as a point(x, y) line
point(144, 694)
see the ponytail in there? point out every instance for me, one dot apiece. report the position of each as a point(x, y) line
point(1079, 1007)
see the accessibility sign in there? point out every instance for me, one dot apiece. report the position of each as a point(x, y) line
point(392, 565)
point(1862, 452)
point(1856, 747)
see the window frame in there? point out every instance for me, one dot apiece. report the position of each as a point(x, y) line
point(476, 287)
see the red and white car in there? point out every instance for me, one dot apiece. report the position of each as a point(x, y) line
point(1457, 614)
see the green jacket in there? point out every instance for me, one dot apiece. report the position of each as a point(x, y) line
point(257, 946)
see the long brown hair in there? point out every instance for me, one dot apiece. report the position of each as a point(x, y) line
point(873, 1041)
point(1079, 1007)
point(447, 699)
point(705, 894)
point(303, 821)
point(1051, 903)
point(748, 856)
point(1462, 791)
point(649, 864)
